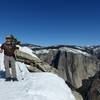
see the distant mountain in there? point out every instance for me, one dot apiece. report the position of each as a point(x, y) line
point(30, 45)
point(94, 50)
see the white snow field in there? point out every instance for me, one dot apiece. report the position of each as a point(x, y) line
point(33, 86)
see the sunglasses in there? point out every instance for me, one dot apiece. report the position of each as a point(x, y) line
point(9, 38)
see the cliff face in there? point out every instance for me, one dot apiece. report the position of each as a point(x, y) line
point(74, 64)
point(77, 65)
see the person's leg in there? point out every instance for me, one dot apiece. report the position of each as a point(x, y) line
point(13, 68)
point(6, 64)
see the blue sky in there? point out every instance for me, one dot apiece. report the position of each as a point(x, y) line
point(51, 22)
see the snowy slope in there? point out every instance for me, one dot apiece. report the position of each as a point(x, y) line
point(33, 86)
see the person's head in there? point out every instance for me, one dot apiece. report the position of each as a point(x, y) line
point(9, 39)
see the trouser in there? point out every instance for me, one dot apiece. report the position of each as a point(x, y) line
point(9, 60)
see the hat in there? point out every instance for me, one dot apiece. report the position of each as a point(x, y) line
point(9, 36)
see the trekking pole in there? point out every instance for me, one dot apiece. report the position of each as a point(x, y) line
point(22, 78)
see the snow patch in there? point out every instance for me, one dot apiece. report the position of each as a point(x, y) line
point(41, 51)
point(74, 51)
point(27, 50)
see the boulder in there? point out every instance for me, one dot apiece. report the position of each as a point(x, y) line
point(35, 63)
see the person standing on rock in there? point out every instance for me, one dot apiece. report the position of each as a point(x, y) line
point(9, 48)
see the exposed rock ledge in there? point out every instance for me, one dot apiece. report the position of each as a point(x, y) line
point(35, 63)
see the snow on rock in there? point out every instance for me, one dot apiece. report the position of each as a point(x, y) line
point(41, 51)
point(74, 51)
point(33, 86)
point(27, 50)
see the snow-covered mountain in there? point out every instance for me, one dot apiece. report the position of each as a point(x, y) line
point(33, 86)
point(93, 50)
point(73, 49)
point(32, 46)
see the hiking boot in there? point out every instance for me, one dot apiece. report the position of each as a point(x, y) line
point(8, 79)
point(14, 79)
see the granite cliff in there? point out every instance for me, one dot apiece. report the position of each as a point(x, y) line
point(76, 64)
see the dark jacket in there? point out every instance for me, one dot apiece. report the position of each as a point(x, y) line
point(9, 49)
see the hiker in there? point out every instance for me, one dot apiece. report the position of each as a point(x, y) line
point(9, 48)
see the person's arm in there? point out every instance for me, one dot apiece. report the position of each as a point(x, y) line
point(1, 48)
point(16, 48)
